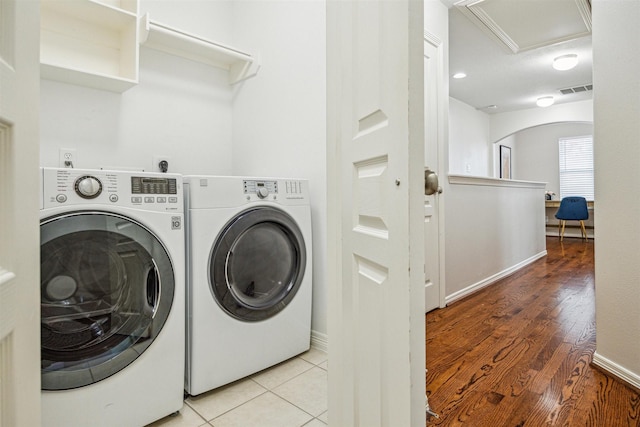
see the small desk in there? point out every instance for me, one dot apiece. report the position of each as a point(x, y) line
point(556, 204)
point(551, 206)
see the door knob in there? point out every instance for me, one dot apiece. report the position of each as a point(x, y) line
point(431, 183)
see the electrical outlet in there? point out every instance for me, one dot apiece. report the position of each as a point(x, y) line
point(155, 167)
point(67, 157)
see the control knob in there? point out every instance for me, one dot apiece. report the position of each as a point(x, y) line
point(88, 187)
point(262, 192)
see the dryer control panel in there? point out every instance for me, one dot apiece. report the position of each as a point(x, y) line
point(269, 189)
point(262, 189)
point(212, 192)
point(149, 191)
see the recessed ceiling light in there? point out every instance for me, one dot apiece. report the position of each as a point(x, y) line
point(459, 75)
point(545, 101)
point(565, 62)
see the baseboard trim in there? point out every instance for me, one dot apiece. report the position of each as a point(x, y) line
point(320, 341)
point(492, 279)
point(616, 370)
point(570, 233)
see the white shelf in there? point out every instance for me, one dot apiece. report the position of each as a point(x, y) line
point(161, 37)
point(95, 43)
point(90, 43)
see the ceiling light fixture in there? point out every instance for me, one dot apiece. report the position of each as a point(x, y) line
point(565, 62)
point(459, 75)
point(545, 101)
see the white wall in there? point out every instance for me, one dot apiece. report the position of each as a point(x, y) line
point(180, 108)
point(617, 155)
point(494, 226)
point(279, 116)
point(505, 128)
point(537, 153)
point(475, 137)
point(469, 148)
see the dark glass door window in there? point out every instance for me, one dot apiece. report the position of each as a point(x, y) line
point(257, 264)
point(107, 287)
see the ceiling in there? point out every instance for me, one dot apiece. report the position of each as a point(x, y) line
point(506, 48)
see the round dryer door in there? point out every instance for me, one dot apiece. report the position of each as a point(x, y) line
point(107, 286)
point(257, 264)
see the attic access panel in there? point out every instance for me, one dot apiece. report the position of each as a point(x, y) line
point(528, 24)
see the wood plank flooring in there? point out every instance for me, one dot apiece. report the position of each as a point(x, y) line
point(518, 352)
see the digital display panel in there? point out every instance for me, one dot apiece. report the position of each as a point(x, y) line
point(146, 185)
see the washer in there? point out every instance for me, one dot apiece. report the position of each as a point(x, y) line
point(112, 297)
point(249, 276)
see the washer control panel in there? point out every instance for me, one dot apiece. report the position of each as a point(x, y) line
point(88, 187)
point(149, 191)
point(153, 185)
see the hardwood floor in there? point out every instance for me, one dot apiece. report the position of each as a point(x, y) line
point(518, 352)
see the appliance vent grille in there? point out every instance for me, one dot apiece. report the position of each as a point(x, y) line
point(576, 89)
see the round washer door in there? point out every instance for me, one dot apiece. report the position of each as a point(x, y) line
point(107, 286)
point(257, 264)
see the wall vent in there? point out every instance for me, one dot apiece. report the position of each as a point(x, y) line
point(576, 89)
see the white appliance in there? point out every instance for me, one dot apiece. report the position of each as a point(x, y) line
point(249, 276)
point(112, 297)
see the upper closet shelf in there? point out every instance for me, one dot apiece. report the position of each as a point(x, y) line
point(90, 43)
point(240, 65)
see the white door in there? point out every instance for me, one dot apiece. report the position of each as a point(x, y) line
point(433, 224)
point(19, 231)
point(375, 171)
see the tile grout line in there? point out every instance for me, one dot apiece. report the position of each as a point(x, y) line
point(264, 390)
point(291, 379)
point(313, 365)
point(269, 390)
point(194, 410)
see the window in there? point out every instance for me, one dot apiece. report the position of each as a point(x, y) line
point(576, 167)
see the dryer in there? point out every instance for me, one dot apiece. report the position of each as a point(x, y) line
point(249, 276)
point(112, 297)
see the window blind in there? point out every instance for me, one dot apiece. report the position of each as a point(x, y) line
point(576, 166)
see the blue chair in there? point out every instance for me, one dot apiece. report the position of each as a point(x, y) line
point(572, 208)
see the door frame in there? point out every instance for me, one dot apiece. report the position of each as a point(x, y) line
point(19, 230)
point(439, 165)
point(442, 161)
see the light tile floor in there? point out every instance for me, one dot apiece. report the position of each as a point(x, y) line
point(290, 394)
